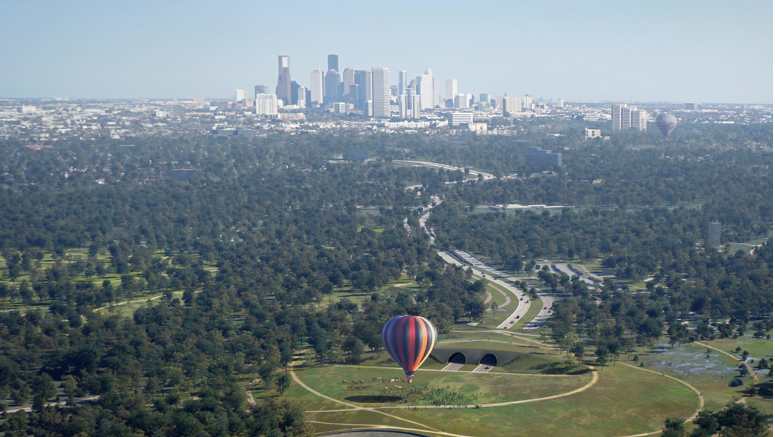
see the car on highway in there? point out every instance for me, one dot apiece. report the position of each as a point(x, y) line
point(512, 322)
point(487, 368)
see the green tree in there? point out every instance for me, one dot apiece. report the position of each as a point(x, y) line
point(283, 382)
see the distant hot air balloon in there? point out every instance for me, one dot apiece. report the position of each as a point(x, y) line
point(409, 340)
point(666, 123)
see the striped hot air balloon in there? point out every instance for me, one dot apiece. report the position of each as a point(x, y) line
point(409, 340)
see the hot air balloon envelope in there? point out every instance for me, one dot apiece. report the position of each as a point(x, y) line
point(666, 123)
point(409, 340)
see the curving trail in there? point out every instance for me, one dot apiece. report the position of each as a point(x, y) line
point(367, 426)
point(750, 370)
point(697, 392)
point(595, 378)
point(354, 407)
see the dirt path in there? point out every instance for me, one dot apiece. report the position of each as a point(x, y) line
point(590, 384)
point(697, 392)
point(750, 369)
point(366, 427)
point(355, 407)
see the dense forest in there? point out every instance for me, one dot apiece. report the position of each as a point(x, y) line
point(268, 228)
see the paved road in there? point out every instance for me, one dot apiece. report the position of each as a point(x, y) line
point(424, 218)
point(485, 176)
point(524, 303)
point(482, 368)
point(563, 267)
point(452, 367)
point(546, 299)
point(544, 314)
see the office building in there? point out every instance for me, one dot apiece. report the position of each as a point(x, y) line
point(402, 82)
point(380, 93)
point(283, 89)
point(331, 88)
point(527, 102)
point(461, 101)
point(402, 105)
point(692, 106)
point(511, 105)
point(484, 98)
point(628, 118)
point(340, 108)
point(394, 90)
point(436, 92)
point(333, 62)
point(316, 87)
point(240, 95)
point(266, 104)
point(363, 80)
point(463, 118)
point(451, 89)
point(301, 97)
point(353, 96)
point(592, 133)
point(638, 119)
point(714, 233)
point(348, 78)
point(543, 159)
point(616, 116)
point(175, 110)
point(283, 61)
point(425, 89)
point(260, 89)
point(415, 106)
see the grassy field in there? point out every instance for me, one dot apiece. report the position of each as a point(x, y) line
point(624, 401)
point(472, 388)
point(712, 372)
point(492, 319)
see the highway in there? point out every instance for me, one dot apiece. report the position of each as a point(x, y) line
point(546, 299)
point(524, 301)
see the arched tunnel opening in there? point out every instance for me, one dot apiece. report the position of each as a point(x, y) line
point(457, 358)
point(489, 360)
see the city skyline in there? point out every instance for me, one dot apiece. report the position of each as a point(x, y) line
point(561, 51)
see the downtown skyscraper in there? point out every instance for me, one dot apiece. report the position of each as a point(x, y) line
point(283, 90)
point(380, 78)
point(316, 87)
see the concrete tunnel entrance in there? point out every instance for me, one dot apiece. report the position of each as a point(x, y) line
point(489, 360)
point(457, 358)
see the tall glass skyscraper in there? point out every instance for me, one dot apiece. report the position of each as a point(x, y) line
point(333, 62)
point(380, 79)
point(332, 87)
point(283, 90)
point(316, 87)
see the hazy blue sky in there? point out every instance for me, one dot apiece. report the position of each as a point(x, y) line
point(705, 51)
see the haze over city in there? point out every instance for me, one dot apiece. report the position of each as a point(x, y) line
point(360, 219)
point(705, 51)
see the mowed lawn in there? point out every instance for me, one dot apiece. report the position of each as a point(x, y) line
point(478, 388)
point(625, 401)
point(712, 374)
